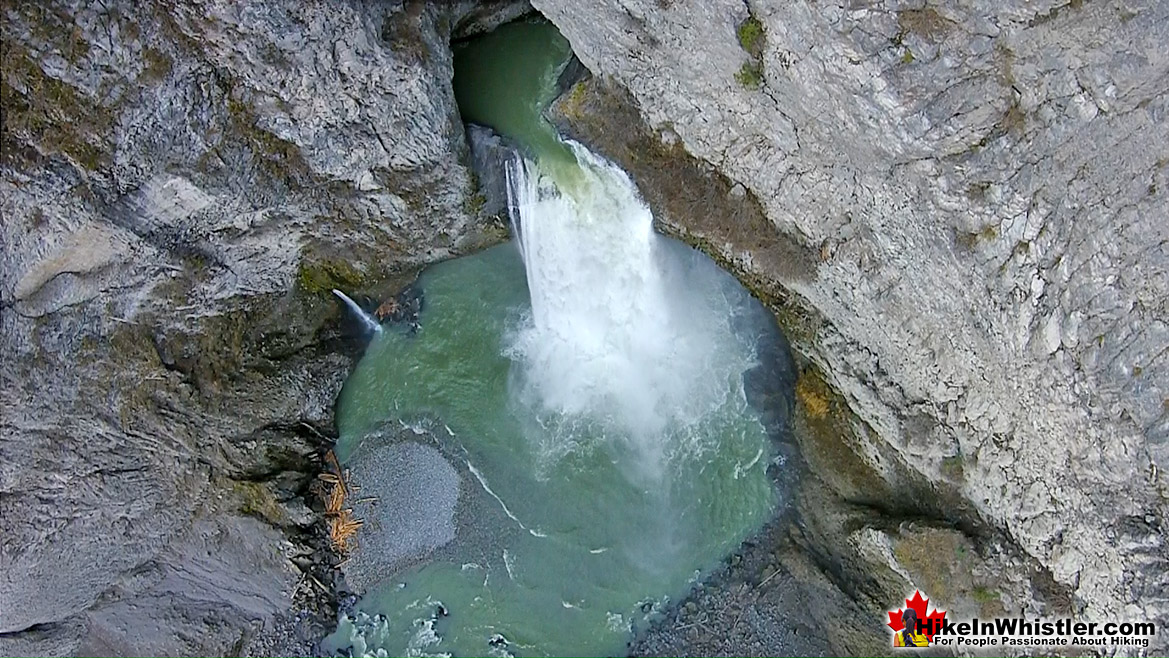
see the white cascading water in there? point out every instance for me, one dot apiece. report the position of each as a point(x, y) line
point(613, 335)
point(371, 325)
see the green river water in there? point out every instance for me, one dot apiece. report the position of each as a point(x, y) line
point(619, 521)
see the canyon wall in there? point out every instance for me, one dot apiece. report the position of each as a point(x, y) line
point(959, 212)
point(183, 182)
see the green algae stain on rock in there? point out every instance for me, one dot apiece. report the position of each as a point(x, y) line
point(317, 276)
point(50, 113)
point(752, 38)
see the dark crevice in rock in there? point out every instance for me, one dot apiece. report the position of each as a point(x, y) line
point(486, 15)
point(282, 447)
point(574, 71)
point(32, 629)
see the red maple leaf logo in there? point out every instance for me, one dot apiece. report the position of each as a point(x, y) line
point(931, 623)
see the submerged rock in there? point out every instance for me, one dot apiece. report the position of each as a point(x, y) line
point(770, 384)
point(406, 494)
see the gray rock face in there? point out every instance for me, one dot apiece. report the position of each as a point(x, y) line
point(983, 189)
point(182, 183)
point(490, 154)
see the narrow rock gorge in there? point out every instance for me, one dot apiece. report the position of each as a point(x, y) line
point(955, 210)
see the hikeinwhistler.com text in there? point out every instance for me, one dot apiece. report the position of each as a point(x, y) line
point(1021, 632)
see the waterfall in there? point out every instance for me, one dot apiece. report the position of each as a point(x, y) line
point(601, 411)
point(593, 384)
point(371, 325)
point(618, 331)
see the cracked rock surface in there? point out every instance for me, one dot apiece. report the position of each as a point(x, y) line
point(182, 183)
point(979, 192)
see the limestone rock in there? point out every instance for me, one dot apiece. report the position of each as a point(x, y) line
point(490, 153)
point(983, 187)
point(181, 185)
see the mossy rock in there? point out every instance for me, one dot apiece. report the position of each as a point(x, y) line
point(826, 427)
point(49, 113)
point(953, 469)
point(752, 36)
point(324, 275)
point(750, 75)
point(943, 562)
point(157, 67)
point(256, 500)
point(277, 158)
point(812, 397)
point(474, 203)
point(972, 241)
point(925, 23)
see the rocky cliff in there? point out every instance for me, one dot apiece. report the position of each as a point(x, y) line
point(183, 182)
point(958, 211)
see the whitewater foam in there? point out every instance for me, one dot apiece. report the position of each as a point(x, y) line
point(618, 335)
point(483, 483)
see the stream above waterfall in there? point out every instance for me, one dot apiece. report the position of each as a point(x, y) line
point(585, 382)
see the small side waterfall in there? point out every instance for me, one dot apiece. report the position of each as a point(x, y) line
point(371, 324)
point(593, 384)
